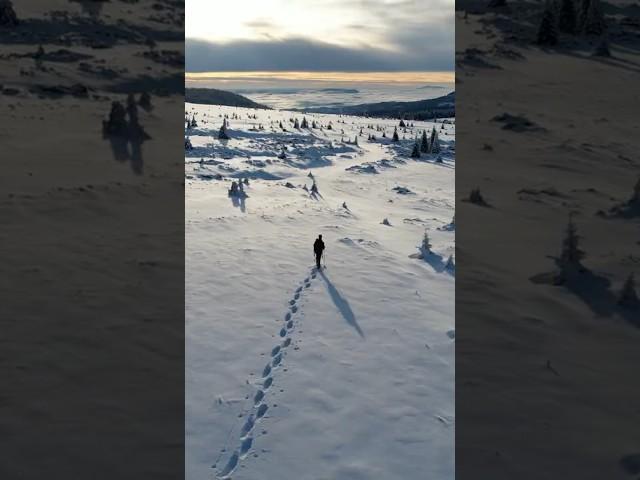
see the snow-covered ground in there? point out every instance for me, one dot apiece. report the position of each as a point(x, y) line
point(293, 374)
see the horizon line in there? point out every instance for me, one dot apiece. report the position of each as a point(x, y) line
point(335, 76)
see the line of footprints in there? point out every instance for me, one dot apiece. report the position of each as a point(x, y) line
point(260, 407)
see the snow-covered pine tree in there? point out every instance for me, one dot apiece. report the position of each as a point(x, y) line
point(415, 153)
point(425, 246)
point(296, 124)
point(567, 17)
point(595, 23)
point(435, 143)
point(424, 144)
point(583, 10)
point(547, 34)
point(628, 296)
point(570, 254)
point(304, 123)
point(395, 135)
point(355, 140)
point(476, 197)
point(222, 134)
point(402, 124)
point(8, 17)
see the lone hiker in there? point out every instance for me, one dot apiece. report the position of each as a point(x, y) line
point(318, 248)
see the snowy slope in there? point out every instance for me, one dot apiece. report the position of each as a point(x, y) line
point(292, 374)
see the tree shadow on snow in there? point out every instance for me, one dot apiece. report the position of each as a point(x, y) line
point(341, 304)
point(592, 289)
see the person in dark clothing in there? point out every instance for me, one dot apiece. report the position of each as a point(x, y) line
point(318, 248)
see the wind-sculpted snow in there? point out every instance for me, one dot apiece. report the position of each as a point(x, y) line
point(347, 372)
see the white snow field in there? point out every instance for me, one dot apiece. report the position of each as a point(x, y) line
point(345, 374)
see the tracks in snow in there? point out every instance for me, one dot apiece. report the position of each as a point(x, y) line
point(259, 407)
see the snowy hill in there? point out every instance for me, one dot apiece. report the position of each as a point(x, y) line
point(343, 374)
point(212, 96)
point(421, 109)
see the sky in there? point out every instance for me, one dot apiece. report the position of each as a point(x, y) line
point(320, 36)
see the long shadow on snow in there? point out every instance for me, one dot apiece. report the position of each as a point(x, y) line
point(342, 304)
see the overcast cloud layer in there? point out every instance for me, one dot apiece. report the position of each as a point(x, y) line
point(366, 35)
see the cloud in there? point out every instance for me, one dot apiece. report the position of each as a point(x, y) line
point(421, 50)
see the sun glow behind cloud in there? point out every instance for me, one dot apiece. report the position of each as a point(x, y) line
point(352, 23)
point(320, 35)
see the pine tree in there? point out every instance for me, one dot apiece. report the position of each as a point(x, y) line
point(567, 17)
point(355, 140)
point(416, 151)
point(222, 134)
point(594, 21)
point(628, 296)
point(424, 144)
point(296, 124)
point(395, 135)
point(435, 143)
point(547, 34)
point(425, 247)
point(402, 124)
point(583, 11)
point(571, 254)
point(8, 17)
point(304, 123)
point(476, 197)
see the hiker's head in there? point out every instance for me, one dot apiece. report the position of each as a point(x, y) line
point(320, 237)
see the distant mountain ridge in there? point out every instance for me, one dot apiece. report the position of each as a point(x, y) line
point(212, 96)
point(417, 110)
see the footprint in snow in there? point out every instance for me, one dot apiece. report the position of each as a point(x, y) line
point(267, 383)
point(275, 351)
point(248, 426)
point(262, 410)
point(258, 398)
point(287, 317)
point(286, 343)
point(267, 370)
point(283, 332)
point(451, 334)
point(294, 309)
point(231, 466)
point(245, 447)
point(277, 360)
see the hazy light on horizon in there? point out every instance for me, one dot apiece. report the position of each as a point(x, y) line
point(335, 77)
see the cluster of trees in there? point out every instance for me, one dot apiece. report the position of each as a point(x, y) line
point(427, 144)
point(582, 17)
